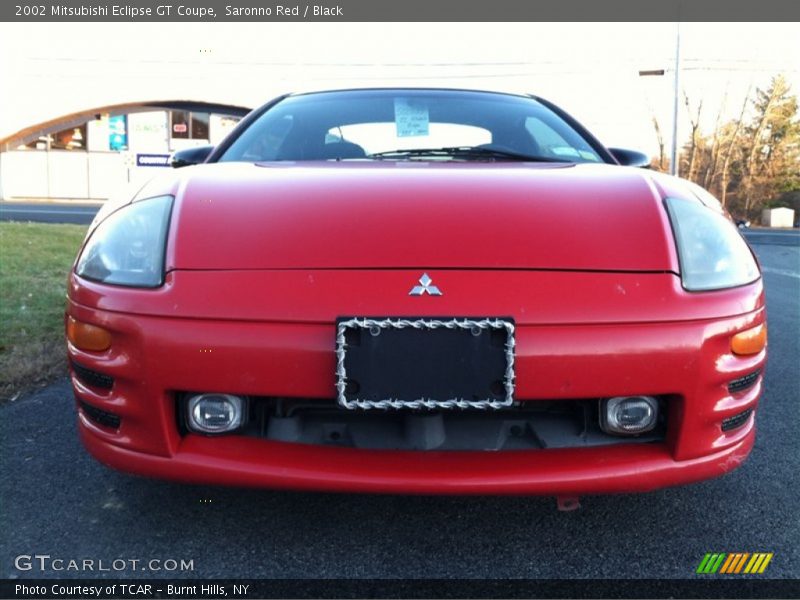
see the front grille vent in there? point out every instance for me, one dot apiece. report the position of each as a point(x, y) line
point(92, 378)
point(101, 417)
point(738, 385)
point(736, 420)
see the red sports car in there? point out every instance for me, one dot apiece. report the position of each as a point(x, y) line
point(417, 291)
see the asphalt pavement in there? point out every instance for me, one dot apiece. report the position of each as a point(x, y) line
point(79, 213)
point(58, 501)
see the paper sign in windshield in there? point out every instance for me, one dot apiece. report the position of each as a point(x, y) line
point(411, 117)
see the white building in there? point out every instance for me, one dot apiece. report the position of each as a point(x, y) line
point(777, 217)
point(87, 156)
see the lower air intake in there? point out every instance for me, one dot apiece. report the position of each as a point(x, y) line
point(101, 417)
point(736, 420)
point(92, 378)
point(738, 385)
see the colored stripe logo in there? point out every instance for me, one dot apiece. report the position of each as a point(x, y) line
point(734, 563)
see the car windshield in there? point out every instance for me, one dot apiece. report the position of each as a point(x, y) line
point(409, 125)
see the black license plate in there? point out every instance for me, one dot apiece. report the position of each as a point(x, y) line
point(425, 362)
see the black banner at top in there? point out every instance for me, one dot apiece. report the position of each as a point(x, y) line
point(398, 11)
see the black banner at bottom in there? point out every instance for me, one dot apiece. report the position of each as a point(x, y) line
point(179, 589)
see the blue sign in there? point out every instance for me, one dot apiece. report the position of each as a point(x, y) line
point(152, 160)
point(118, 132)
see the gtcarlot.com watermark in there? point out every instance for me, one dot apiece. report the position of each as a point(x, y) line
point(45, 563)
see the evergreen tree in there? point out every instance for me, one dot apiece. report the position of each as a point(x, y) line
point(770, 161)
point(752, 161)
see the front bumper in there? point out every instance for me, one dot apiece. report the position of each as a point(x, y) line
point(561, 354)
point(246, 462)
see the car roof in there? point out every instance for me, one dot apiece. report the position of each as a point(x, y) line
point(384, 89)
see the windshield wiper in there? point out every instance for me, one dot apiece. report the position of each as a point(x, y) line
point(463, 153)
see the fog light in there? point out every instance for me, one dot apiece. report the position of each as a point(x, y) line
point(628, 415)
point(215, 413)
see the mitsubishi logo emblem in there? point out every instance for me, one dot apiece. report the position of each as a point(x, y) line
point(425, 287)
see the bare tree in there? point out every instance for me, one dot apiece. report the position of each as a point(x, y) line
point(711, 169)
point(662, 159)
point(693, 140)
point(771, 154)
point(751, 161)
point(726, 161)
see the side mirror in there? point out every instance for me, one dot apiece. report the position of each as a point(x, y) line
point(190, 156)
point(630, 158)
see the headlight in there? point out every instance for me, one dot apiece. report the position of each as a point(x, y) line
point(712, 253)
point(127, 248)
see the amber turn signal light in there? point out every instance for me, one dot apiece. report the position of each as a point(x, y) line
point(87, 337)
point(751, 341)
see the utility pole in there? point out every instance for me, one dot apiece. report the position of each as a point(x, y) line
point(674, 158)
point(673, 161)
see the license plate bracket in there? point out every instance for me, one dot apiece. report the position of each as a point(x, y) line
point(425, 363)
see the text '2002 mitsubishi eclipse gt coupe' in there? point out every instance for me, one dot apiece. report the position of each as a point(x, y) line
point(417, 291)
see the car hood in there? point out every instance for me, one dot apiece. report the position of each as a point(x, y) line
point(381, 215)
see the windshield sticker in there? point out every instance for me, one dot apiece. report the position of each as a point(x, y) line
point(411, 117)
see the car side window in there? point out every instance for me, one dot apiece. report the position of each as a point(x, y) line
point(267, 145)
point(552, 144)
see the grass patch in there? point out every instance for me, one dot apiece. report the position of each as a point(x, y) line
point(35, 259)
